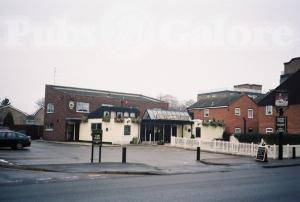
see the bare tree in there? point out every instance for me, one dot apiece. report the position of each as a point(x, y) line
point(174, 103)
point(5, 102)
point(40, 102)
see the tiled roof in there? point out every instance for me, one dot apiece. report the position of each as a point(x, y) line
point(291, 85)
point(99, 112)
point(103, 93)
point(158, 114)
point(210, 102)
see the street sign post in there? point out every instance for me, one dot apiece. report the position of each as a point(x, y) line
point(97, 140)
point(281, 124)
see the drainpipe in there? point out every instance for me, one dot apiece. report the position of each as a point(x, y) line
point(245, 125)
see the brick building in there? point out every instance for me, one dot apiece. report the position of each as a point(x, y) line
point(267, 111)
point(66, 106)
point(290, 68)
point(237, 110)
point(31, 124)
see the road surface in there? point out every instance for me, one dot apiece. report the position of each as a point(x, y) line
point(261, 184)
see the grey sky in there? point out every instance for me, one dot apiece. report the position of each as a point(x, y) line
point(150, 47)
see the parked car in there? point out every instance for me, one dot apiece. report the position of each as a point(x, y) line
point(13, 139)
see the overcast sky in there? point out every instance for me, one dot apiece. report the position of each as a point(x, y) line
point(177, 47)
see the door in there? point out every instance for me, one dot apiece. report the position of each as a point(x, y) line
point(71, 131)
point(198, 132)
point(167, 133)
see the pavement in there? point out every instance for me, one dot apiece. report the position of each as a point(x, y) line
point(141, 160)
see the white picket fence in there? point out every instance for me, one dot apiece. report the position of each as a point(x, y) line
point(245, 149)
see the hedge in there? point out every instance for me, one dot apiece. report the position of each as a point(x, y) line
point(269, 139)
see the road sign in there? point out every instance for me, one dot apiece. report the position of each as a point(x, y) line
point(281, 124)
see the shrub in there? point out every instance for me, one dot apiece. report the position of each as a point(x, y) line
point(106, 119)
point(286, 139)
point(226, 136)
point(192, 136)
point(269, 139)
point(135, 140)
point(249, 138)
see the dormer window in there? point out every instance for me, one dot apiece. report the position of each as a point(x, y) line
point(119, 114)
point(132, 115)
point(106, 114)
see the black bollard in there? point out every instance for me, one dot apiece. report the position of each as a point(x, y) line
point(100, 153)
point(92, 153)
point(294, 152)
point(124, 155)
point(198, 153)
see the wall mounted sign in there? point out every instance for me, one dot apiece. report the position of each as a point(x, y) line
point(71, 105)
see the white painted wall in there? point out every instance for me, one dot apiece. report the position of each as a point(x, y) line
point(207, 132)
point(112, 132)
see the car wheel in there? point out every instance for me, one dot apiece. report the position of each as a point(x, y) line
point(19, 146)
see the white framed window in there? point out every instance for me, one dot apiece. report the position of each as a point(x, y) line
point(49, 127)
point(50, 108)
point(126, 114)
point(237, 111)
point(106, 114)
point(250, 113)
point(113, 115)
point(206, 112)
point(119, 114)
point(269, 130)
point(237, 130)
point(83, 107)
point(96, 126)
point(132, 115)
point(269, 110)
point(127, 130)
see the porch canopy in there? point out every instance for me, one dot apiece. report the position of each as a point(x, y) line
point(157, 122)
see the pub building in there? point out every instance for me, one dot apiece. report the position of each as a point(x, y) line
point(160, 125)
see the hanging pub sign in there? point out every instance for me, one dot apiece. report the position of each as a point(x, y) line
point(281, 99)
point(281, 124)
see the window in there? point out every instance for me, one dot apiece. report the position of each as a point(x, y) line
point(119, 114)
point(198, 132)
point(82, 107)
point(250, 113)
point(237, 131)
point(269, 130)
point(106, 114)
point(174, 131)
point(50, 108)
point(237, 111)
point(49, 127)
point(96, 126)
point(127, 130)
point(126, 114)
point(113, 115)
point(132, 115)
point(206, 112)
point(11, 135)
point(269, 110)
point(250, 130)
